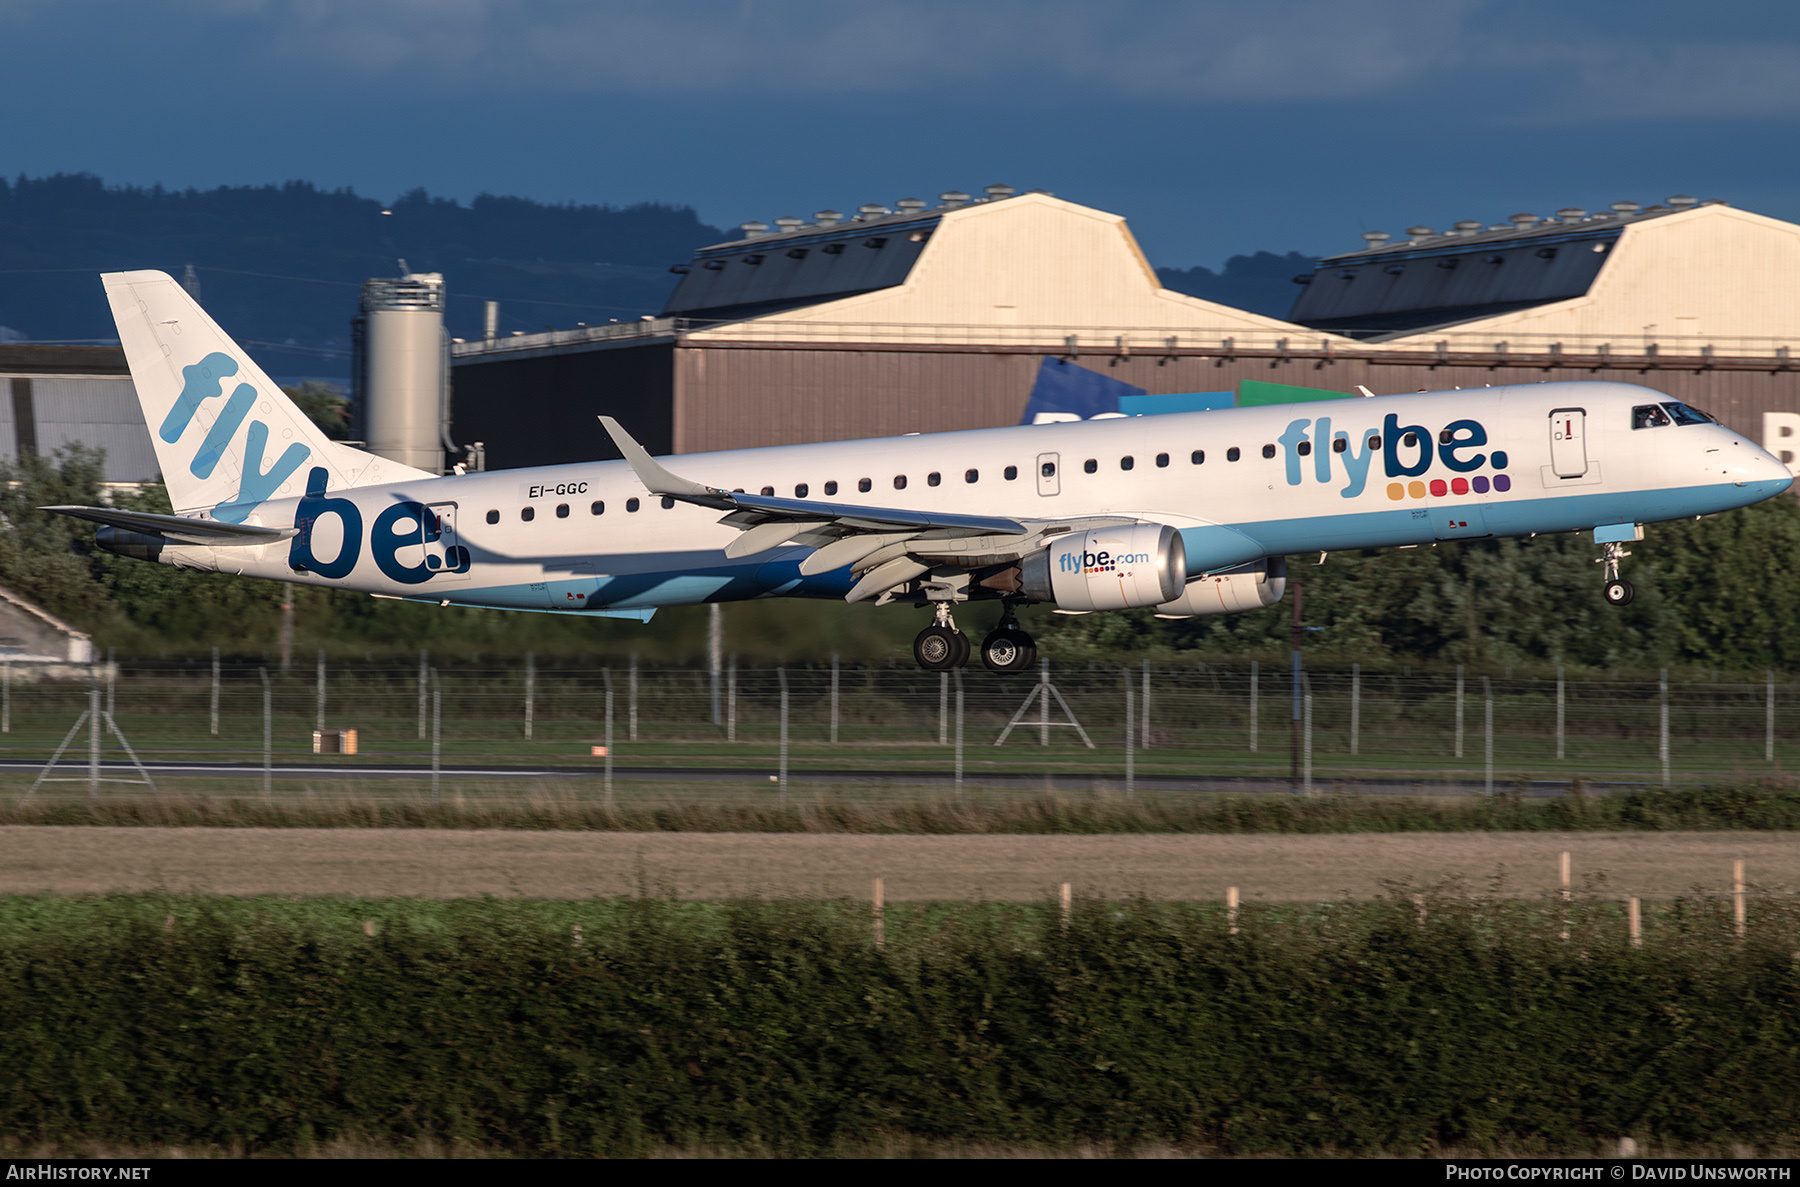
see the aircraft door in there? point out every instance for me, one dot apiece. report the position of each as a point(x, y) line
point(1568, 442)
point(1049, 480)
point(448, 559)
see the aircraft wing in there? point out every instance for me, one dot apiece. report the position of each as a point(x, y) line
point(886, 547)
point(176, 527)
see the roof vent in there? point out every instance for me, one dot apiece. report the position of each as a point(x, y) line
point(1625, 207)
point(1467, 226)
point(871, 210)
point(911, 205)
point(790, 224)
point(1683, 201)
point(1499, 226)
point(996, 192)
point(753, 230)
point(1523, 220)
point(953, 198)
point(1420, 232)
point(826, 218)
point(1571, 214)
point(1376, 238)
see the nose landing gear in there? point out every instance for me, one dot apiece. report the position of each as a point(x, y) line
point(1619, 591)
point(940, 646)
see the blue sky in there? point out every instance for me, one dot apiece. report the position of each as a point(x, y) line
point(1214, 127)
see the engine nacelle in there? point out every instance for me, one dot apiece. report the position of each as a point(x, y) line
point(1108, 569)
point(1247, 587)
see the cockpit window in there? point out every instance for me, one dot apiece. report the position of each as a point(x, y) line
point(1687, 416)
point(1648, 416)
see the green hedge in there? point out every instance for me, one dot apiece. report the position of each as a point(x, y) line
point(149, 1020)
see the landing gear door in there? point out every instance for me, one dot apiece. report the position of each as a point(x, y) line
point(444, 555)
point(1568, 442)
point(1049, 478)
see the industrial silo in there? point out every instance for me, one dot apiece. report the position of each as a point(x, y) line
point(401, 372)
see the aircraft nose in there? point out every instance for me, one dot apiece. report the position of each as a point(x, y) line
point(1761, 468)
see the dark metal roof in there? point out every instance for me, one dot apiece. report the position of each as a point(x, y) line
point(786, 269)
point(1433, 280)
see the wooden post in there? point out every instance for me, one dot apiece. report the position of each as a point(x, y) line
point(1253, 675)
point(1662, 748)
point(1487, 736)
point(1634, 922)
point(1459, 710)
point(437, 734)
point(1769, 723)
point(1130, 756)
point(1419, 906)
point(575, 935)
point(959, 727)
point(782, 672)
point(319, 696)
point(1559, 712)
point(631, 701)
point(269, 737)
point(169, 924)
point(943, 708)
point(6, 696)
point(94, 742)
point(1355, 708)
point(424, 680)
point(1144, 710)
point(1306, 785)
point(214, 717)
point(1067, 904)
point(879, 920)
point(1565, 894)
point(606, 778)
point(530, 691)
point(1043, 700)
point(369, 929)
point(1231, 908)
point(834, 704)
point(731, 700)
point(1737, 897)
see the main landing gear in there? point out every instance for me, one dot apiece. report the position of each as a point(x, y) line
point(1619, 591)
point(941, 646)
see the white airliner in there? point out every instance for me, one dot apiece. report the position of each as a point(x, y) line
point(1184, 513)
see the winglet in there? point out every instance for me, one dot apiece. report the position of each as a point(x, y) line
point(656, 479)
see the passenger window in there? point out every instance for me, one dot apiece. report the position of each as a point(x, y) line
point(1446, 437)
point(1340, 444)
point(562, 511)
point(899, 482)
point(1268, 451)
point(493, 517)
point(1090, 466)
point(1232, 454)
point(528, 514)
point(971, 475)
point(864, 485)
point(768, 492)
point(1162, 461)
point(831, 487)
point(1048, 469)
point(1304, 449)
point(1125, 463)
point(1648, 416)
point(631, 504)
point(1010, 473)
point(597, 507)
point(933, 478)
point(1411, 440)
point(1375, 441)
point(800, 489)
point(668, 503)
point(1198, 457)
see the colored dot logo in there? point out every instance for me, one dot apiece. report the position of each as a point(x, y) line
point(1438, 488)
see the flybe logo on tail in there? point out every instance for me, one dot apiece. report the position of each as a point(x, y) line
point(1407, 451)
point(203, 381)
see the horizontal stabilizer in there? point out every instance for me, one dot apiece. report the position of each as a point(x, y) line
point(178, 528)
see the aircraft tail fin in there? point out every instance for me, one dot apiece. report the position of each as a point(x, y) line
point(226, 436)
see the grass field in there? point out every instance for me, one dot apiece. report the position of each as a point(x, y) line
point(574, 865)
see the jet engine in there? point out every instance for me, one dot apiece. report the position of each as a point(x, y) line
point(1108, 568)
point(1247, 587)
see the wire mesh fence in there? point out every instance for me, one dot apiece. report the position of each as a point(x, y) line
point(1198, 726)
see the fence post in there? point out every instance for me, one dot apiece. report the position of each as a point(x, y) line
point(94, 741)
point(631, 701)
point(878, 918)
point(1067, 897)
point(6, 695)
point(715, 651)
point(1565, 894)
point(731, 701)
point(781, 673)
point(943, 708)
point(1306, 735)
point(1253, 675)
point(1487, 736)
point(1634, 922)
point(530, 692)
point(1044, 701)
point(437, 732)
point(319, 696)
point(424, 676)
point(1559, 712)
point(1144, 710)
point(1355, 708)
point(1459, 710)
point(606, 780)
point(1737, 897)
point(1130, 730)
point(834, 700)
point(268, 737)
point(1231, 908)
point(959, 729)
point(1662, 746)
point(213, 716)
point(1769, 723)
